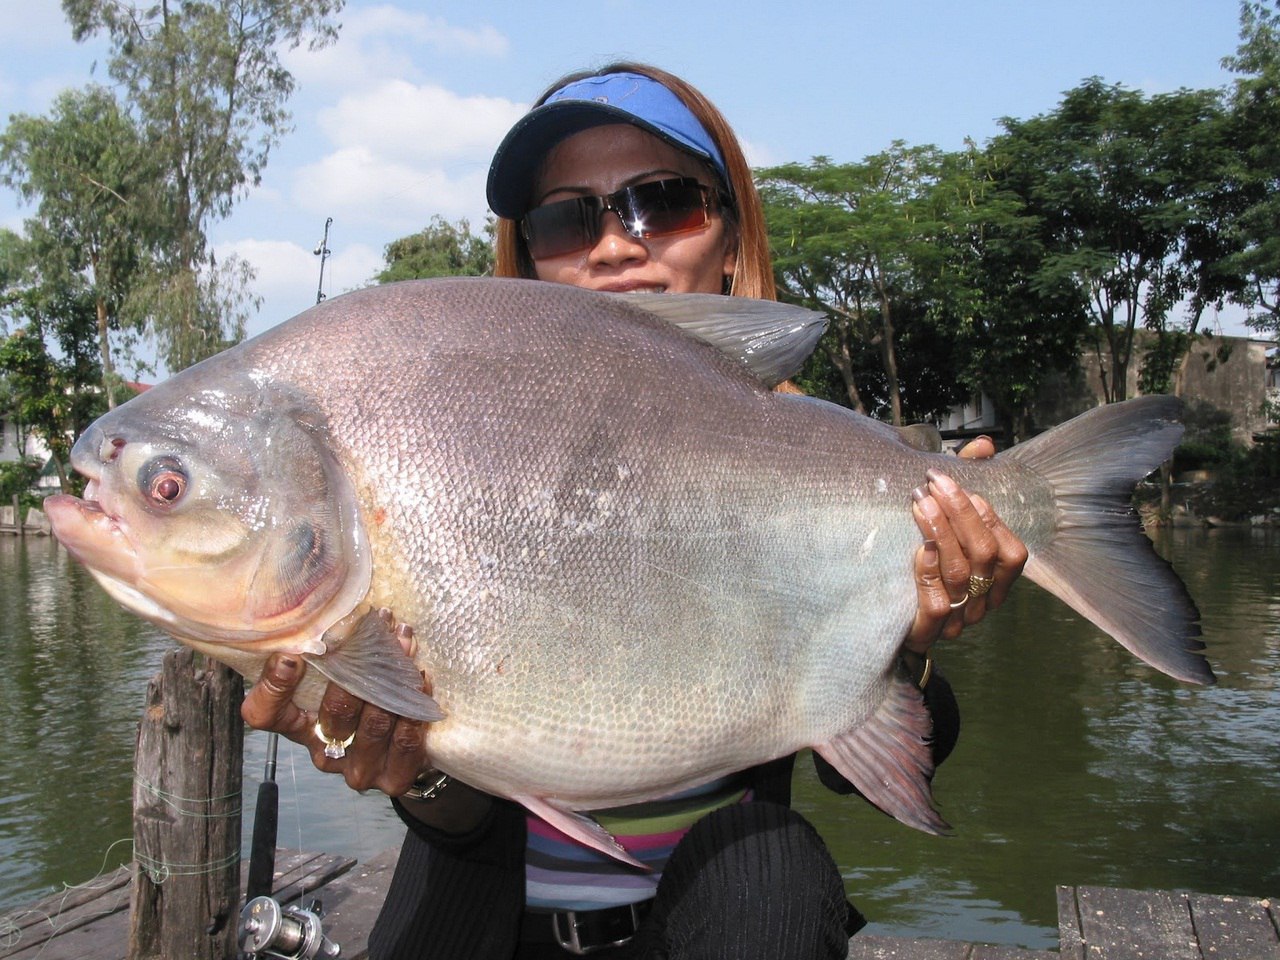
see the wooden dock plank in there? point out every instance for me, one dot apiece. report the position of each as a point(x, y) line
point(91, 922)
point(1135, 925)
point(870, 947)
point(352, 901)
point(1235, 928)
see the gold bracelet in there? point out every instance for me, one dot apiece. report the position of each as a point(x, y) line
point(927, 672)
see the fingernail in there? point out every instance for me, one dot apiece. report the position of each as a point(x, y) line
point(983, 436)
point(918, 494)
point(941, 481)
point(286, 667)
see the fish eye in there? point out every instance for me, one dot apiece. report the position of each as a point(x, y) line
point(162, 481)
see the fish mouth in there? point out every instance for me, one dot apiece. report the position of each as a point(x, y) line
point(91, 535)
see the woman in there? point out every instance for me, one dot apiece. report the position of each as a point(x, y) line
point(629, 180)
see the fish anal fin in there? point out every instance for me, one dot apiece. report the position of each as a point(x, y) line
point(890, 760)
point(370, 663)
point(578, 826)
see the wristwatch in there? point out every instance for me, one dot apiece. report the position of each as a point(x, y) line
point(427, 786)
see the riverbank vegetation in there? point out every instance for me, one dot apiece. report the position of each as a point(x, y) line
point(1112, 224)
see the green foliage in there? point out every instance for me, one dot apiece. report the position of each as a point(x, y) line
point(440, 249)
point(1119, 182)
point(863, 242)
point(91, 174)
point(206, 82)
point(1207, 441)
point(1255, 102)
point(1246, 486)
point(18, 478)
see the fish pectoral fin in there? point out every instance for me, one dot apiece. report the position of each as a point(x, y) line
point(370, 663)
point(580, 827)
point(890, 760)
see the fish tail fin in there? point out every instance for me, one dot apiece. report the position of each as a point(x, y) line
point(1099, 562)
point(889, 758)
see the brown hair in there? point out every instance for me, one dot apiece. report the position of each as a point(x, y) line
point(753, 275)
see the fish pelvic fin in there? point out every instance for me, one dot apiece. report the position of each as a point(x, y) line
point(1099, 562)
point(370, 663)
point(889, 758)
point(580, 827)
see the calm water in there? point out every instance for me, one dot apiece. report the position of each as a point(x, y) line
point(1076, 764)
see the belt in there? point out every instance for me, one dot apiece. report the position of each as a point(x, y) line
point(581, 932)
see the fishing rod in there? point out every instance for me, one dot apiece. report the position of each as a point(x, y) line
point(269, 930)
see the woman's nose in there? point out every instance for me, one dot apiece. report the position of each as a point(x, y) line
point(615, 245)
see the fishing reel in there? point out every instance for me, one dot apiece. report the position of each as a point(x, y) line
point(268, 930)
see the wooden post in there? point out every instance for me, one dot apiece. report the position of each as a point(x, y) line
point(17, 516)
point(186, 812)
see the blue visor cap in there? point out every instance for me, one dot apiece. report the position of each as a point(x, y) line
point(613, 98)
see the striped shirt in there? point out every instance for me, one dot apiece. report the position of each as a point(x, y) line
point(562, 874)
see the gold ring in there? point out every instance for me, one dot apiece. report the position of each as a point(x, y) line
point(333, 749)
point(978, 586)
point(960, 603)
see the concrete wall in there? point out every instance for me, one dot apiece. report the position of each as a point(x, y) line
point(1239, 385)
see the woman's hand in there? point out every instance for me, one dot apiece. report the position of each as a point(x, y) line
point(963, 538)
point(386, 753)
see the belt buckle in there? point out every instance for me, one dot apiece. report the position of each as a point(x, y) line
point(572, 940)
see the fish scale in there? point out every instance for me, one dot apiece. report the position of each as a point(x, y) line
point(630, 567)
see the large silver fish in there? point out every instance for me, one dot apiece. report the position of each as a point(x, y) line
point(629, 566)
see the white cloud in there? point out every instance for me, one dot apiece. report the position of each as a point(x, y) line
point(419, 123)
point(385, 41)
point(287, 275)
point(359, 186)
point(403, 153)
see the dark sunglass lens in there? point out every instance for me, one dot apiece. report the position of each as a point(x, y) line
point(666, 207)
point(563, 227)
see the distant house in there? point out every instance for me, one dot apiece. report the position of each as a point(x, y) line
point(13, 447)
point(11, 440)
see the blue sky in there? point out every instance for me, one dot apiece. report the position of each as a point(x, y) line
point(396, 122)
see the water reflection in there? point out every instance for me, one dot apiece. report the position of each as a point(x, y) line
point(1077, 764)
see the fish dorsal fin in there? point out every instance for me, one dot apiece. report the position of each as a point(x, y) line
point(772, 339)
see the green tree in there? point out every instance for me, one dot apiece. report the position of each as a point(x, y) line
point(90, 173)
point(441, 249)
point(1008, 320)
point(847, 239)
point(1117, 181)
point(205, 79)
point(1255, 131)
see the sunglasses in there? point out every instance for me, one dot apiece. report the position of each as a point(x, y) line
point(661, 208)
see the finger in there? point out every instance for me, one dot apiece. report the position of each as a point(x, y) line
point(335, 721)
point(406, 757)
point(934, 615)
point(974, 536)
point(1011, 554)
point(339, 712)
point(269, 703)
point(953, 562)
point(979, 448)
point(368, 751)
